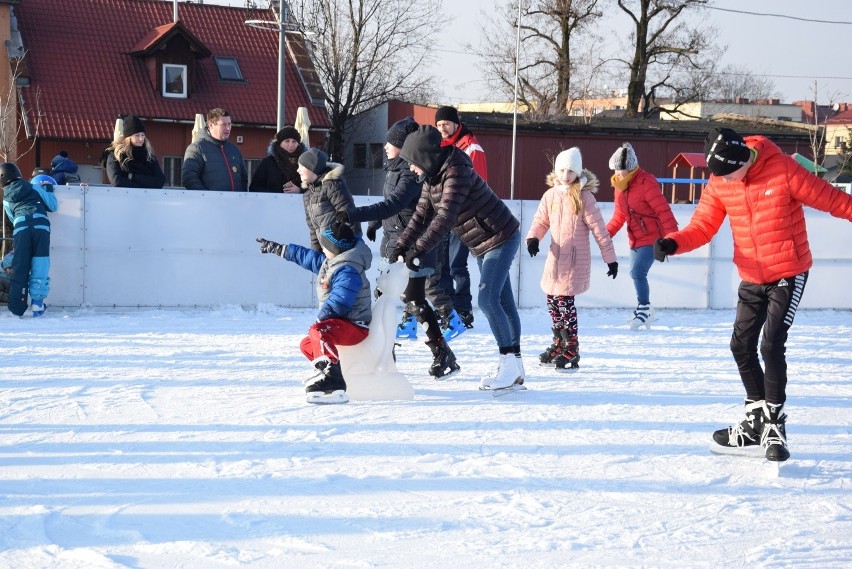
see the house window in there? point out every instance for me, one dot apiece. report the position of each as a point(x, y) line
point(360, 157)
point(838, 141)
point(229, 69)
point(377, 155)
point(174, 81)
point(172, 166)
point(251, 166)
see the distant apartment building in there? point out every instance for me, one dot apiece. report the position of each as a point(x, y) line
point(762, 108)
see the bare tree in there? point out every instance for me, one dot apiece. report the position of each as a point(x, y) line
point(17, 122)
point(667, 52)
point(551, 35)
point(368, 51)
point(733, 82)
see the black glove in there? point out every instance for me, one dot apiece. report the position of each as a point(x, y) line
point(267, 246)
point(397, 253)
point(371, 232)
point(413, 259)
point(664, 247)
point(532, 246)
point(342, 216)
point(613, 270)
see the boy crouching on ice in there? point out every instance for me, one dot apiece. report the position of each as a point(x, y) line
point(345, 306)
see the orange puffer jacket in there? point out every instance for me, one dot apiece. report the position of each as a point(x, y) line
point(766, 215)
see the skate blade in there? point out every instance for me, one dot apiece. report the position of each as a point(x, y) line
point(447, 375)
point(506, 390)
point(752, 451)
point(334, 398)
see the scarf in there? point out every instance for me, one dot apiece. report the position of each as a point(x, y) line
point(621, 182)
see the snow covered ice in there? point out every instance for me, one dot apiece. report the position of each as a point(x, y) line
point(181, 438)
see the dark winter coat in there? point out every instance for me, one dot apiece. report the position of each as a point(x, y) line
point(138, 172)
point(20, 198)
point(210, 164)
point(401, 192)
point(276, 169)
point(343, 289)
point(323, 198)
point(457, 199)
point(64, 170)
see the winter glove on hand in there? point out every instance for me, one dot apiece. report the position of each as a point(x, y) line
point(413, 259)
point(664, 247)
point(613, 270)
point(371, 233)
point(342, 216)
point(267, 246)
point(397, 253)
point(532, 246)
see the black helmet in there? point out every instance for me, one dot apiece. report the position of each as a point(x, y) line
point(9, 173)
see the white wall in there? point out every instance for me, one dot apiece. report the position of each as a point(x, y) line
point(129, 247)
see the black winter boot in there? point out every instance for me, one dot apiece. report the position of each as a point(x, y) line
point(774, 435)
point(549, 354)
point(748, 432)
point(443, 361)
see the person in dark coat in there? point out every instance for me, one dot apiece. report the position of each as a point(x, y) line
point(63, 169)
point(455, 198)
point(131, 162)
point(401, 192)
point(213, 162)
point(325, 193)
point(278, 172)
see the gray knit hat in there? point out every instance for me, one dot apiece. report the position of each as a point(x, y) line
point(624, 158)
point(314, 160)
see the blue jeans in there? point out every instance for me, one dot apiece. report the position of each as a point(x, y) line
point(457, 254)
point(641, 260)
point(496, 299)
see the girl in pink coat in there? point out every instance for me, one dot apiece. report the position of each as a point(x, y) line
point(569, 210)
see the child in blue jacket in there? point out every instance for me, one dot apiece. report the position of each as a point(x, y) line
point(344, 303)
point(26, 209)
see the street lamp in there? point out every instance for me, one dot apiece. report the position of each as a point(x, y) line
point(281, 27)
point(515, 113)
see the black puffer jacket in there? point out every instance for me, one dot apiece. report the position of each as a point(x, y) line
point(327, 195)
point(456, 199)
point(276, 169)
point(401, 192)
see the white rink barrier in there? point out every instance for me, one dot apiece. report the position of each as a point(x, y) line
point(117, 247)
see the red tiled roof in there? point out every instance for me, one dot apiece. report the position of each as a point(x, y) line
point(85, 76)
point(694, 159)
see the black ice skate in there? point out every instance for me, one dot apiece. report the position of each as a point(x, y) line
point(549, 354)
point(444, 360)
point(746, 433)
point(328, 387)
point(773, 438)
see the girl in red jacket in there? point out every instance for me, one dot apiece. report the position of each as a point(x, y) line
point(639, 202)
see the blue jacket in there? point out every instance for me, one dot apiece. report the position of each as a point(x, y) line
point(61, 167)
point(210, 164)
point(21, 198)
point(342, 285)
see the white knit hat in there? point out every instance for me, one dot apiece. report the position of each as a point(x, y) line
point(571, 160)
point(624, 158)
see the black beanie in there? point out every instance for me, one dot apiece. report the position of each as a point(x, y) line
point(287, 132)
point(423, 149)
point(447, 114)
point(130, 125)
point(314, 160)
point(725, 151)
point(337, 237)
point(400, 130)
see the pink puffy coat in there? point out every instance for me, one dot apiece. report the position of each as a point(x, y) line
point(567, 270)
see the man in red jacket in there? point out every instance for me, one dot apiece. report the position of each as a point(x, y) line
point(453, 255)
point(762, 191)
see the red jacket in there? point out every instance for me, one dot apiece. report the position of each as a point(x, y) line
point(645, 210)
point(467, 142)
point(766, 215)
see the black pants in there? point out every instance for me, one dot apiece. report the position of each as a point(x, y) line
point(771, 307)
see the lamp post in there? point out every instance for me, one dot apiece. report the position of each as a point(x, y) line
point(515, 113)
point(281, 27)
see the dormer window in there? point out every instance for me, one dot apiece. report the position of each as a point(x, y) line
point(229, 69)
point(174, 81)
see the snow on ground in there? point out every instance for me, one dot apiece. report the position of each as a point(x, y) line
point(168, 438)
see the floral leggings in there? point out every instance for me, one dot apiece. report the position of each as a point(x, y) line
point(563, 313)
